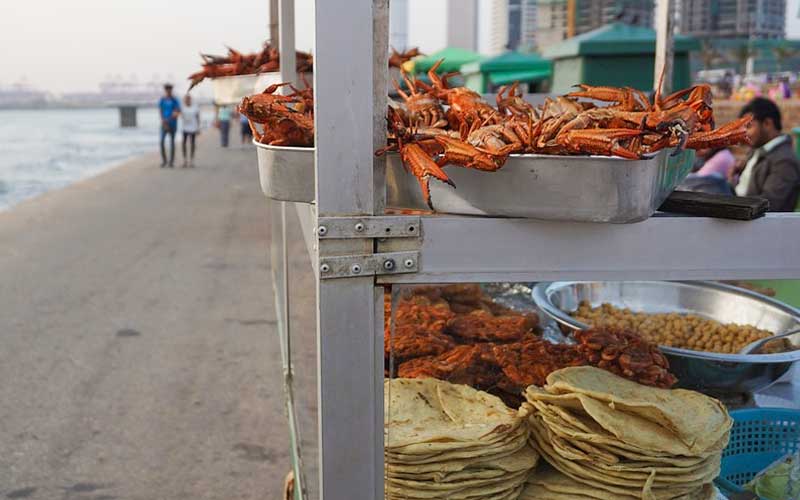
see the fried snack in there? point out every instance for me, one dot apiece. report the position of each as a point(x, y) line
point(472, 365)
point(686, 331)
point(530, 362)
point(482, 326)
point(626, 354)
point(410, 341)
point(418, 330)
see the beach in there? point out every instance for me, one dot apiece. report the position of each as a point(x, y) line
point(140, 350)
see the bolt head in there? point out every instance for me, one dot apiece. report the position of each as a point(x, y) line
point(322, 230)
point(324, 268)
point(355, 269)
point(388, 264)
point(409, 263)
point(359, 227)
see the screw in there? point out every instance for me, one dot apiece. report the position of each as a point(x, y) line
point(388, 264)
point(412, 228)
point(355, 269)
point(409, 263)
point(359, 227)
point(322, 230)
point(324, 268)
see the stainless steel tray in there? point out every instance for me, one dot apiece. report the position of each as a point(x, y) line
point(286, 173)
point(699, 370)
point(570, 188)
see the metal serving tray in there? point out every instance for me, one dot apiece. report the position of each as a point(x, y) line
point(569, 188)
point(286, 173)
point(716, 372)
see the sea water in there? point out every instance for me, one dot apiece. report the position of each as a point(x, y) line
point(41, 150)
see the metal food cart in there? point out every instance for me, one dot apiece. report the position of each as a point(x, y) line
point(355, 249)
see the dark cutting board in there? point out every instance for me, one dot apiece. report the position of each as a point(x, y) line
point(715, 205)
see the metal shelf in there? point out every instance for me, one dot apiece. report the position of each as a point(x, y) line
point(477, 249)
point(350, 78)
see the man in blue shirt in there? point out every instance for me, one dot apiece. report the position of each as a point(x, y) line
point(169, 108)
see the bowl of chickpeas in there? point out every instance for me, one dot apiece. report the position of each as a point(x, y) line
point(700, 326)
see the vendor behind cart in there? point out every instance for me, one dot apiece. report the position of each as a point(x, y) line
point(771, 170)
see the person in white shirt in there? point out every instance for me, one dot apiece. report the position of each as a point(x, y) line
point(190, 122)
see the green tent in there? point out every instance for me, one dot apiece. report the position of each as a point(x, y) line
point(618, 55)
point(506, 68)
point(454, 58)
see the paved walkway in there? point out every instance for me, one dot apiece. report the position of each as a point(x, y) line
point(138, 353)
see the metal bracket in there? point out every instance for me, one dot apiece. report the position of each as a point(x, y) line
point(352, 266)
point(403, 226)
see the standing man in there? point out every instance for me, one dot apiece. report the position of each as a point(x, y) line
point(169, 108)
point(223, 123)
point(771, 169)
point(190, 116)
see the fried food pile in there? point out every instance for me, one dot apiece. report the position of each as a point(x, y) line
point(437, 125)
point(235, 63)
point(458, 334)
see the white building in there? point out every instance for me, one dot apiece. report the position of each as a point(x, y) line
point(493, 26)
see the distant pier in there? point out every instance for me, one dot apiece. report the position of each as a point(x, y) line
point(127, 115)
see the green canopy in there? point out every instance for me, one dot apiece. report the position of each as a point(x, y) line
point(616, 39)
point(515, 66)
point(529, 75)
point(454, 58)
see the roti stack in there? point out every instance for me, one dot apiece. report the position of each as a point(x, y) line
point(608, 438)
point(448, 441)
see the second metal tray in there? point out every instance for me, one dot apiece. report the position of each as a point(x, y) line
point(569, 188)
point(286, 173)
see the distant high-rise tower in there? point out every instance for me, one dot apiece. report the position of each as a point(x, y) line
point(530, 9)
point(732, 18)
point(553, 17)
point(436, 24)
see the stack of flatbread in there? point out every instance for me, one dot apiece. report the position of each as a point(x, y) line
point(608, 438)
point(448, 441)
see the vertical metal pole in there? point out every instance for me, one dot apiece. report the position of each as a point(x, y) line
point(273, 24)
point(350, 364)
point(664, 45)
point(287, 47)
point(380, 80)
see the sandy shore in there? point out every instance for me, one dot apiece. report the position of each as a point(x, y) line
point(138, 350)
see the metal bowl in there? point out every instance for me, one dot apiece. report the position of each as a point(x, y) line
point(286, 172)
point(705, 371)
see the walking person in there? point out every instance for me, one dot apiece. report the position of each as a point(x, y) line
point(224, 123)
point(170, 108)
point(190, 123)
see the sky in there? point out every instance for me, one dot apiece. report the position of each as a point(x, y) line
point(79, 43)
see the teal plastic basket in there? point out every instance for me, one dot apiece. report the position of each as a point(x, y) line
point(759, 437)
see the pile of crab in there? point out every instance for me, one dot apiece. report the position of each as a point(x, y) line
point(236, 63)
point(436, 125)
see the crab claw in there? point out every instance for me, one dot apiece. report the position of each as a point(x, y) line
point(677, 128)
point(422, 166)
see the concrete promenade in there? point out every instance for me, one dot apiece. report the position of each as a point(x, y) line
point(138, 353)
